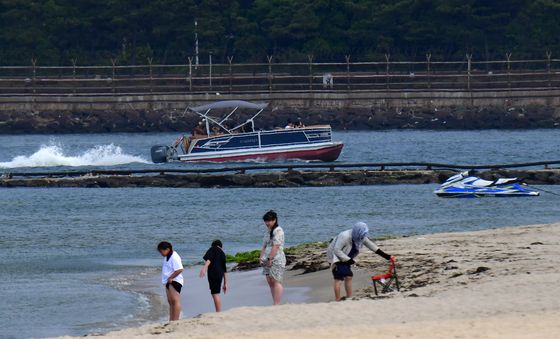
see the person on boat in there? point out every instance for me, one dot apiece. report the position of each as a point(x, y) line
point(171, 278)
point(300, 124)
point(198, 131)
point(290, 125)
point(216, 131)
point(272, 256)
point(227, 127)
point(341, 254)
point(215, 267)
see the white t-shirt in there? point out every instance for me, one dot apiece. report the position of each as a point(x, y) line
point(169, 266)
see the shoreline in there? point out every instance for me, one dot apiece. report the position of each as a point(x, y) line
point(451, 284)
point(247, 288)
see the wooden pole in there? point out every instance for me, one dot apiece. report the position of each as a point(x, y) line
point(34, 74)
point(74, 63)
point(210, 70)
point(508, 60)
point(114, 63)
point(469, 59)
point(310, 59)
point(270, 75)
point(469, 68)
point(151, 73)
point(548, 67)
point(428, 69)
point(347, 57)
point(230, 60)
point(189, 77)
point(387, 59)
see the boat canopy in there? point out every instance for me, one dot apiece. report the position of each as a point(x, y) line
point(229, 104)
point(204, 110)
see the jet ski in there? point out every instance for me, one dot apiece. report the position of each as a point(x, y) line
point(466, 185)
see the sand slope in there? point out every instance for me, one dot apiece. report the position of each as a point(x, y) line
point(500, 283)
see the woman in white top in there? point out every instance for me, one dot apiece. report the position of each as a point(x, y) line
point(273, 259)
point(343, 250)
point(171, 278)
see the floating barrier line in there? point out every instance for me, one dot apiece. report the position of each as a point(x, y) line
point(290, 167)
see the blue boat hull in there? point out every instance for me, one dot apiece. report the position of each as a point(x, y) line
point(507, 191)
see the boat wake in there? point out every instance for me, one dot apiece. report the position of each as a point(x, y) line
point(54, 156)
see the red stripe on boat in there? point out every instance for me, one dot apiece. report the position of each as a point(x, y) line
point(326, 154)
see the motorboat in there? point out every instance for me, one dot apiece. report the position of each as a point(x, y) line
point(217, 142)
point(466, 185)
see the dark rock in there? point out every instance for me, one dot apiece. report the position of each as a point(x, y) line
point(479, 270)
point(311, 266)
point(245, 266)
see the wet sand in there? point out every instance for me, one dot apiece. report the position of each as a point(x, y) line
point(500, 283)
point(245, 289)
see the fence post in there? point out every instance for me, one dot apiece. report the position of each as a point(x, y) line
point(347, 57)
point(548, 68)
point(151, 73)
point(74, 63)
point(387, 58)
point(428, 69)
point(270, 76)
point(310, 59)
point(508, 58)
point(34, 73)
point(210, 69)
point(230, 60)
point(114, 63)
point(469, 58)
point(189, 78)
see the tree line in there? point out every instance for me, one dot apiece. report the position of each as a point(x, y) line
point(55, 32)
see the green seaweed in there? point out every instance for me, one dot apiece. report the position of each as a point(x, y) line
point(249, 257)
point(253, 257)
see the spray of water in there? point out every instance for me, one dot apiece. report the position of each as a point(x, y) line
point(53, 155)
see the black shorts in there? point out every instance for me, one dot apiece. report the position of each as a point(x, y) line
point(175, 285)
point(215, 283)
point(342, 271)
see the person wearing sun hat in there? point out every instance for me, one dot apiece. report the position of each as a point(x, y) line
point(343, 250)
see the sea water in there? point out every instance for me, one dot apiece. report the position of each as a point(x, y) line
point(72, 258)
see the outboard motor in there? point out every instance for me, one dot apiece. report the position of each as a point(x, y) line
point(160, 154)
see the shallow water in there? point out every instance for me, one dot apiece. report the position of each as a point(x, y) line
point(72, 258)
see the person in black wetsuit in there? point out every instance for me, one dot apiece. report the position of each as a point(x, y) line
point(215, 268)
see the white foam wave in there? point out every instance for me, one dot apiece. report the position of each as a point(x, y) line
point(54, 155)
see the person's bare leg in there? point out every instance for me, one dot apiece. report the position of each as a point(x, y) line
point(217, 302)
point(277, 292)
point(169, 302)
point(174, 299)
point(348, 286)
point(270, 282)
point(337, 290)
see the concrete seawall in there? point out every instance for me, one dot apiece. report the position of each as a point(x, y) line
point(441, 109)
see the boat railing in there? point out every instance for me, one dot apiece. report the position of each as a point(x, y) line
point(242, 169)
point(204, 111)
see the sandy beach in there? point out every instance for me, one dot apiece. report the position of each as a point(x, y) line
point(498, 283)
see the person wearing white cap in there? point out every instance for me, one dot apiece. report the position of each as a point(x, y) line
point(341, 254)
